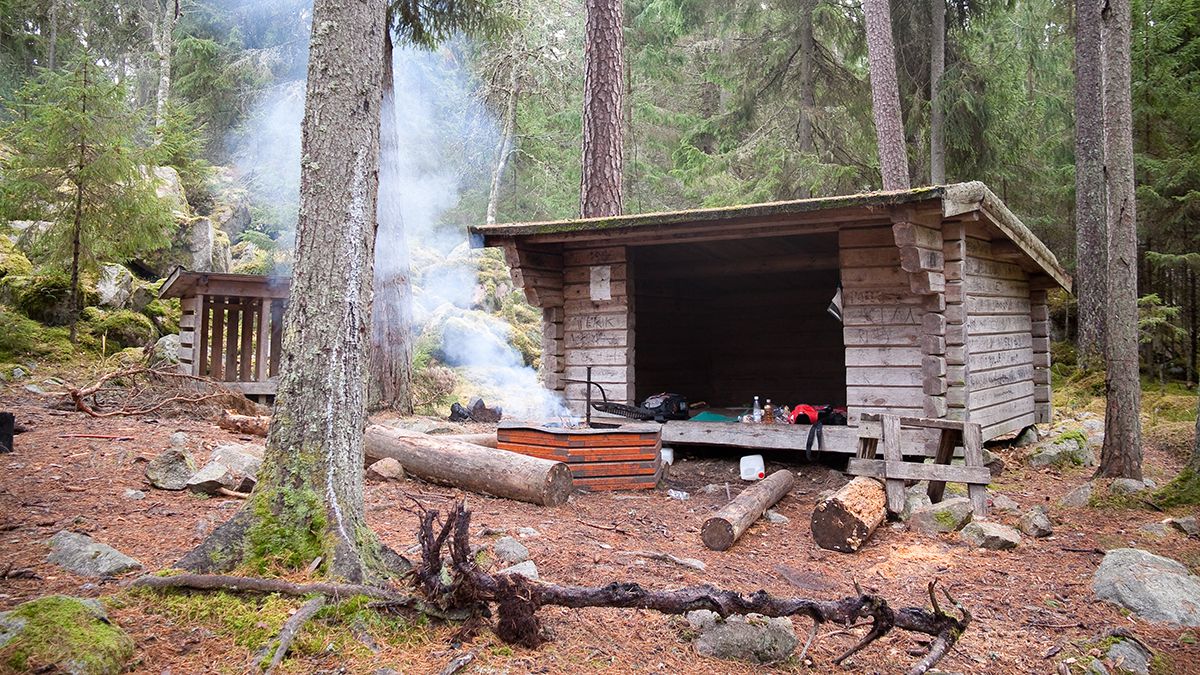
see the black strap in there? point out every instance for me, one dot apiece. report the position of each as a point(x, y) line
point(815, 433)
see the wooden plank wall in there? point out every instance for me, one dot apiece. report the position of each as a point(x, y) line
point(188, 326)
point(538, 270)
point(999, 339)
point(958, 394)
point(1040, 314)
point(232, 338)
point(597, 323)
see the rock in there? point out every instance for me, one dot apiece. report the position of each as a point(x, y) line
point(752, 638)
point(1036, 523)
point(776, 517)
point(912, 502)
point(1154, 529)
point(1068, 451)
point(231, 212)
point(82, 555)
point(34, 389)
point(194, 246)
point(172, 468)
point(242, 459)
point(948, 515)
point(63, 635)
point(1096, 667)
point(526, 569)
point(993, 462)
point(713, 489)
point(1186, 525)
point(130, 493)
point(1077, 498)
point(527, 532)
point(165, 351)
point(179, 439)
point(1028, 436)
point(993, 536)
point(1151, 586)
point(678, 494)
point(170, 189)
point(115, 286)
point(387, 468)
point(1126, 486)
point(1093, 426)
point(1129, 656)
point(232, 466)
point(1005, 504)
point(510, 551)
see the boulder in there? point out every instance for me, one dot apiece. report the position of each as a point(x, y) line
point(385, 469)
point(1126, 486)
point(25, 234)
point(948, 515)
point(1186, 525)
point(510, 551)
point(1005, 504)
point(1067, 451)
point(1036, 523)
point(170, 189)
point(231, 211)
point(994, 536)
point(525, 569)
point(171, 469)
point(115, 286)
point(63, 635)
point(231, 466)
point(192, 247)
point(1077, 498)
point(82, 555)
point(1154, 529)
point(1028, 436)
point(165, 351)
point(1153, 587)
point(751, 638)
point(913, 500)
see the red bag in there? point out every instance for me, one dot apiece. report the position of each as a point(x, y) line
point(804, 414)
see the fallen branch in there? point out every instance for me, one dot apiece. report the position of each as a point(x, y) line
point(254, 425)
point(690, 563)
point(233, 493)
point(79, 395)
point(291, 628)
point(226, 582)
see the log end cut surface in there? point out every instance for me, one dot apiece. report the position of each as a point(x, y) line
point(717, 534)
point(845, 520)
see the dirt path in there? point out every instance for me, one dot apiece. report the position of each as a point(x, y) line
point(1033, 606)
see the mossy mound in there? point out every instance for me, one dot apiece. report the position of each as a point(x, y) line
point(62, 634)
point(12, 260)
point(1184, 489)
point(126, 328)
point(22, 338)
point(45, 298)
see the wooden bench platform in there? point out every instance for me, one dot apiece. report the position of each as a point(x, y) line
point(792, 437)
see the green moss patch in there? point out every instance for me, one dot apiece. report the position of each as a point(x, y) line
point(1183, 489)
point(65, 634)
point(127, 328)
point(289, 541)
point(22, 338)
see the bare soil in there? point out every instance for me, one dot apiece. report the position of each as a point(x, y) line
point(1033, 607)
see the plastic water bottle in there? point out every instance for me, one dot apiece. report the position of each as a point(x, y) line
point(758, 411)
point(768, 413)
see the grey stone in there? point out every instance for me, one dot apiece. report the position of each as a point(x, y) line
point(211, 478)
point(82, 555)
point(527, 532)
point(114, 286)
point(10, 627)
point(946, 516)
point(179, 439)
point(994, 536)
point(1155, 529)
point(912, 502)
point(130, 493)
point(1079, 497)
point(776, 517)
point(1093, 426)
point(525, 569)
point(1005, 503)
point(1096, 667)
point(1068, 452)
point(1151, 586)
point(387, 468)
point(165, 351)
point(19, 373)
point(510, 551)
point(678, 494)
point(1036, 523)
point(751, 638)
point(1028, 436)
point(172, 468)
point(243, 462)
point(1126, 486)
point(1186, 525)
point(713, 489)
point(34, 389)
point(1129, 656)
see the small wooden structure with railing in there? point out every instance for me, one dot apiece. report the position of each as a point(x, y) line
point(231, 327)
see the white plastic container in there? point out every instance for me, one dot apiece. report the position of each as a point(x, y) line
point(668, 455)
point(752, 468)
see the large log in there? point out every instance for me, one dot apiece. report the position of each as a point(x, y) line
point(845, 520)
point(486, 440)
point(472, 467)
point(724, 528)
point(254, 425)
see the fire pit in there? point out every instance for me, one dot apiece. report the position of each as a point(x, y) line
point(613, 457)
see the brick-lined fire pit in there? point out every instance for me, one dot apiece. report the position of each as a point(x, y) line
point(624, 457)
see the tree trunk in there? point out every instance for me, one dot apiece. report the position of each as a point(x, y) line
point(1194, 462)
point(52, 48)
point(77, 226)
point(937, 114)
point(309, 499)
point(390, 386)
point(1091, 244)
point(724, 528)
point(473, 467)
point(846, 519)
point(885, 96)
point(504, 151)
point(1122, 451)
point(603, 105)
point(163, 41)
point(804, 125)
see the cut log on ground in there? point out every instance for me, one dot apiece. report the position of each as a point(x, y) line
point(486, 440)
point(845, 520)
point(254, 425)
point(720, 531)
point(472, 467)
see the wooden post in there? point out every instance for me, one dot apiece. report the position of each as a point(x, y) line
point(720, 531)
point(945, 453)
point(973, 454)
point(217, 359)
point(232, 324)
point(262, 359)
point(276, 336)
point(891, 453)
point(200, 346)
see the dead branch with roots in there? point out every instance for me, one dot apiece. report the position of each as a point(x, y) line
point(448, 584)
point(143, 390)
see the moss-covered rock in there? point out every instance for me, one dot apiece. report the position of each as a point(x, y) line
point(45, 297)
point(63, 634)
point(129, 329)
point(164, 314)
point(22, 338)
point(12, 260)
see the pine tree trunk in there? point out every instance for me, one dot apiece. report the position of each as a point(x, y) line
point(390, 377)
point(309, 501)
point(163, 42)
point(885, 96)
point(52, 49)
point(1122, 451)
point(603, 106)
point(804, 125)
point(937, 114)
point(504, 151)
point(77, 226)
point(1194, 462)
point(1091, 243)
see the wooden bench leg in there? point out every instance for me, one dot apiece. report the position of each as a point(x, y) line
point(945, 453)
point(894, 487)
point(973, 452)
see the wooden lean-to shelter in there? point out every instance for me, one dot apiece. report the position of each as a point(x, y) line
point(231, 328)
point(943, 297)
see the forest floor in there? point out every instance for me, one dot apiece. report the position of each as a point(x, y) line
point(1033, 606)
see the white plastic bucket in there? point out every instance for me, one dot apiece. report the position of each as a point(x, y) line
point(752, 468)
point(668, 455)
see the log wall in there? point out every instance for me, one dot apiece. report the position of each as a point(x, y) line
point(598, 323)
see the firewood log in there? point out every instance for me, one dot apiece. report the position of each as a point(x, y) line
point(254, 425)
point(845, 520)
point(720, 531)
point(472, 467)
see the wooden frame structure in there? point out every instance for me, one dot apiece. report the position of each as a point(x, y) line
point(231, 327)
point(944, 313)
